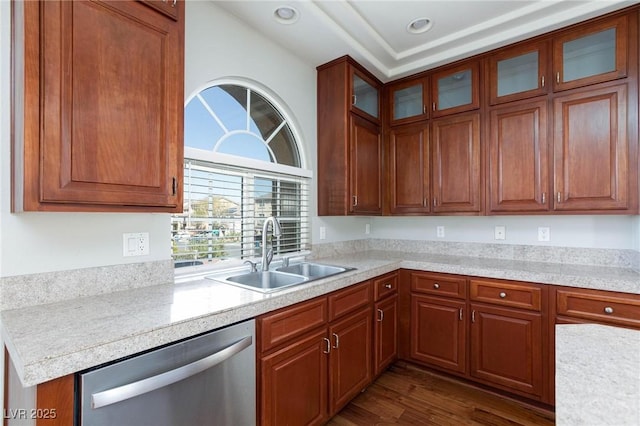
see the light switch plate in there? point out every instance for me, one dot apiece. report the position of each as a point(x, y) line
point(440, 231)
point(544, 233)
point(500, 232)
point(135, 244)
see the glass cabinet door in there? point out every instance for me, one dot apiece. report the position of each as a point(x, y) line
point(365, 95)
point(592, 54)
point(518, 73)
point(455, 90)
point(408, 101)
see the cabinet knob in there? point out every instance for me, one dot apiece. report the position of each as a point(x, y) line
point(503, 295)
point(608, 310)
point(387, 285)
point(436, 286)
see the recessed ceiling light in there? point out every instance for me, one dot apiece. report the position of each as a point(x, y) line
point(419, 26)
point(286, 15)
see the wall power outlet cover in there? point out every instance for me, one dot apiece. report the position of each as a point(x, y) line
point(135, 244)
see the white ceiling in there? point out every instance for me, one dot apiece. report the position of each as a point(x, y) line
point(374, 31)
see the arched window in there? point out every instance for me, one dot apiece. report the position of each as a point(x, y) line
point(242, 165)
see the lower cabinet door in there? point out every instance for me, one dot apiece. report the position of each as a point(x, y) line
point(293, 388)
point(506, 348)
point(385, 333)
point(350, 358)
point(438, 332)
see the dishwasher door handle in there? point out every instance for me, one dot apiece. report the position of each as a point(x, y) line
point(124, 392)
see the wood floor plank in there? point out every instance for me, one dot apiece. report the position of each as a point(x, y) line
point(406, 395)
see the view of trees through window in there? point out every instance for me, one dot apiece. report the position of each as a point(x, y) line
point(225, 205)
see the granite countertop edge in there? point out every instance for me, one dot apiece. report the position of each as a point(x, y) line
point(52, 343)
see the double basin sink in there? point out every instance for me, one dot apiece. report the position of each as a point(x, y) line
point(281, 277)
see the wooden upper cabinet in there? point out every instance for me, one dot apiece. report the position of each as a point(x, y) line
point(518, 73)
point(456, 164)
point(456, 89)
point(592, 53)
point(365, 167)
point(365, 95)
point(408, 168)
point(408, 101)
point(518, 165)
point(591, 150)
point(103, 106)
point(349, 140)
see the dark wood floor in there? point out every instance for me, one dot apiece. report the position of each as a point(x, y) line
point(406, 395)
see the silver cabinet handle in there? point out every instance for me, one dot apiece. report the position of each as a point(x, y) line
point(608, 310)
point(354, 99)
point(174, 3)
point(328, 345)
point(140, 387)
point(473, 316)
point(424, 109)
point(544, 198)
point(380, 315)
point(436, 286)
point(434, 202)
point(559, 196)
point(542, 81)
point(434, 106)
point(355, 201)
point(460, 314)
point(502, 295)
point(337, 341)
point(558, 77)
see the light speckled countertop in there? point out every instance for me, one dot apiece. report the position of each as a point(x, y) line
point(52, 340)
point(597, 375)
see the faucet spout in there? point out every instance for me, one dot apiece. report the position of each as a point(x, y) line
point(267, 255)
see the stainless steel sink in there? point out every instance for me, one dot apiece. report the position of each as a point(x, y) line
point(313, 270)
point(267, 280)
point(282, 277)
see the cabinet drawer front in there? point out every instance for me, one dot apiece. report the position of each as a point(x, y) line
point(349, 299)
point(278, 327)
point(385, 285)
point(440, 285)
point(517, 295)
point(600, 306)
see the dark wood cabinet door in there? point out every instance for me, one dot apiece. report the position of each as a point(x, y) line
point(365, 167)
point(456, 164)
point(386, 333)
point(592, 53)
point(507, 348)
point(294, 387)
point(438, 332)
point(518, 170)
point(110, 107)
point(408, 170)
point(519, 72)
point(350, 360)
point(591, 150)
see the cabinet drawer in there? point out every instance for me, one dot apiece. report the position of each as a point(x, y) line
point(514, 294)
point(280, 326)
point(439, 285)
point(600, 306)
point(349, 299)
point(385, 285)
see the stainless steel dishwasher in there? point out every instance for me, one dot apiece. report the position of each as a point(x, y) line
point(206, 380)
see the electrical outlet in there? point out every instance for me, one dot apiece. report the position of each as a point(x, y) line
point(544, 233)
point(367, 228)
point(500, 232)
point(135, 244)
point(440, 231)
point(323, 233)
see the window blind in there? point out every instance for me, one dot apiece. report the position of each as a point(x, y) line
point(225, 208)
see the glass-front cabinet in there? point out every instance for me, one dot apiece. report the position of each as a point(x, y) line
point(591, 54)
point(518, 73)
point(365, 96)
point(455, 89)
point(408, 101)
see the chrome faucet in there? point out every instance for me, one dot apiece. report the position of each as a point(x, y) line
point(267, 255)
